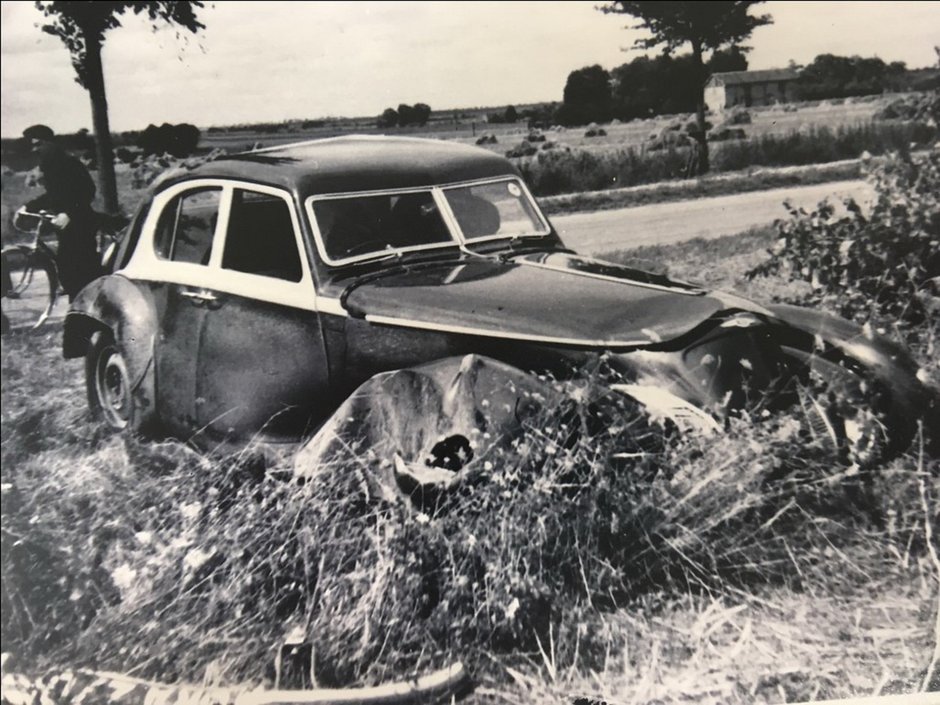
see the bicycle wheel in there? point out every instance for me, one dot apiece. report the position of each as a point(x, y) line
point(30, 286)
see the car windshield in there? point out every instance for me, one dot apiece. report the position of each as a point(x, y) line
point(354, 227)
point(359, 227)
point(494, 210)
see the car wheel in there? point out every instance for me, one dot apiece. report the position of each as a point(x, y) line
point(110, 391)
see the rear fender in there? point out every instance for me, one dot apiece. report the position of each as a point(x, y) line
point(117, 304)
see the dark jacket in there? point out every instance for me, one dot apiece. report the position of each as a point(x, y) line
point(70, 190)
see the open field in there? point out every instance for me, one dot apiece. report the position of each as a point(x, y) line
point(766, 120)
point(849, 612)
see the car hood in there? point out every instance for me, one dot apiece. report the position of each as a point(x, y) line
point(555, 298)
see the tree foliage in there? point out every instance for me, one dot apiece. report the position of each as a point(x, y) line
point(885, 263)
point(82, 26)
point(830, 76)
point(587, 97)
point(178, 140)
point(665, 84)
point(705, 26)
point(417, 114)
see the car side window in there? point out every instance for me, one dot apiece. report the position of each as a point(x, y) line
point(260, 238)
point(187, 225)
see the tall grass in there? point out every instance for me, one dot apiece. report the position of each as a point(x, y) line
point(557, 171)
point(153, 560)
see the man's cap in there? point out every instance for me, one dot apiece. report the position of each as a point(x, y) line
point(38, 132)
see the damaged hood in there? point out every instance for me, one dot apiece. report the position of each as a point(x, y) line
point(554, 298)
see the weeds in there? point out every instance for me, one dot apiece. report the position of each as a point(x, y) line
point(153, 560)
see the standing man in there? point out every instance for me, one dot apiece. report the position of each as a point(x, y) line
point(69, 193)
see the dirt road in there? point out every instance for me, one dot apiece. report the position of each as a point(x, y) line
point(665, 223)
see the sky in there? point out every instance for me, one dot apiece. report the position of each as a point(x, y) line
point(273, 61)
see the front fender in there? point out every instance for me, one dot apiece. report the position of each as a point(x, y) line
point(878, 354)
point(115, 303)
point(889, 363)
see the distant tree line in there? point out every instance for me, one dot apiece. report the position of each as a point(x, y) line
point(831, 76)
point(406, 115)
point(640, 88)
point(668, 84)
point(179, 140)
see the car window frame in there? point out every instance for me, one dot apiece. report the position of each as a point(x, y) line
point(146, 265)
point(546, 227)
point(446, 216)
point(440, 199)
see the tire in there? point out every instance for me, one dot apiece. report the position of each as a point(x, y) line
point(109, 385)
point(30, 293)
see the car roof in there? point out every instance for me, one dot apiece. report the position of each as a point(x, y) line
point(356, 163)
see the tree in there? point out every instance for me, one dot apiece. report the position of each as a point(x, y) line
point(587, 97)
point(831, 76)
point(82, 27)
point(388, 118)
point(421, 112)
point(705, 25)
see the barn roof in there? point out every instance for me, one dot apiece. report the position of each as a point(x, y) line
point(731, 78)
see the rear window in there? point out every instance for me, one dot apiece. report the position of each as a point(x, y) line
point(187, 226)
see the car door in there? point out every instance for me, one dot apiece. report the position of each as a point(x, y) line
point(262, 362)
point(175, 267)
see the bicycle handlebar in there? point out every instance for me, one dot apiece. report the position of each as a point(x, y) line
point(31, 223)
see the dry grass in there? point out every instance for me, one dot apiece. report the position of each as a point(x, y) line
point(741, 567)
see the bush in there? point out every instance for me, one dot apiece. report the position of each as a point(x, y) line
point(722, 133)
point(558, 171)
point(737, 116)
point(884, 265)
point(924, 108)
point(523, 149)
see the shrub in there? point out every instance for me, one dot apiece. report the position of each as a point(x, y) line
point(558, 171)
point(883, 265)
point(523, 149)
point(722, 133)
point(924, 107)
point(737, 116)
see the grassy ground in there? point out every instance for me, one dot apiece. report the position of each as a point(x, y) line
point(773, 593)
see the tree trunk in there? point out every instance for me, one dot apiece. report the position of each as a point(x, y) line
point(104, 150)
point(701, 137)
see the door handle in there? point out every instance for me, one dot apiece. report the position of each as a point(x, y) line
point(199, 296)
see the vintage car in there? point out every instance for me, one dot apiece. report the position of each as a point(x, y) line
point(252, 294)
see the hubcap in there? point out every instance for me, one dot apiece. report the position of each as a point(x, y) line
point(113, 390)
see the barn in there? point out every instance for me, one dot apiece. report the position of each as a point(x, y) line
point(747, 88)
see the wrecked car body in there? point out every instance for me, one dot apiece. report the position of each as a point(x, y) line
point(254, 294)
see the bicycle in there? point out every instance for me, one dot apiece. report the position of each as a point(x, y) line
point(30, 277)
point(30, 274)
